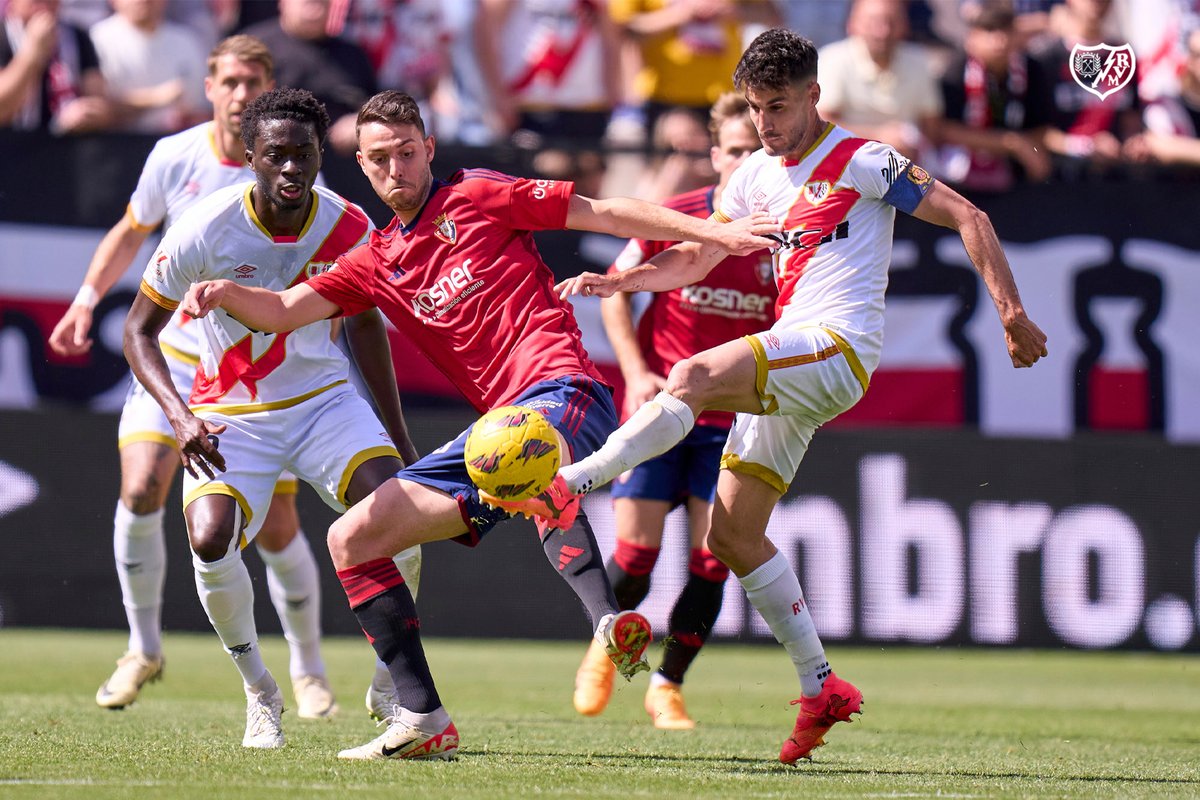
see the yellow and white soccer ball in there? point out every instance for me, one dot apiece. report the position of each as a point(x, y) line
point(512, 453)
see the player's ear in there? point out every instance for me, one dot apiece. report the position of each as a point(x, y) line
point(430, 146)
point(814, 91)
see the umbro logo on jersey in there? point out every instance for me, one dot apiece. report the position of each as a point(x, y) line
point(445, 229)
point(245, 271)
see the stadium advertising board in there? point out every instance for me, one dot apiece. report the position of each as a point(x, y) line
point(899, 537)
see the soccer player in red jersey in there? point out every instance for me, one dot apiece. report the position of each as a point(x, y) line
point(457, 271)
point(737, 298)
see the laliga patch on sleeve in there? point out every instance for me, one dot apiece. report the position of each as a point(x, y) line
point(908, 189)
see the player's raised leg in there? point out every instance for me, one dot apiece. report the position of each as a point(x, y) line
point(147, 469)
point(723, 377)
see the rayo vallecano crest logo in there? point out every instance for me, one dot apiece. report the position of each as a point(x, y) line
point(445, 229)
point(816, 191)
point(1102, 69)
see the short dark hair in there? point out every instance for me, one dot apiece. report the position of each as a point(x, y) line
point(293, 104)
point(390, 107)
point(776, 59)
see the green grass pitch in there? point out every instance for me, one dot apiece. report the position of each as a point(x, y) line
point(937, 723)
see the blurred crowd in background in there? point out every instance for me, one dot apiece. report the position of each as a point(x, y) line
point(978, 91)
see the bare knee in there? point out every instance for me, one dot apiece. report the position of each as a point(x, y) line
point(213, 521)
point(687, 379)
point(143, 492)
point(342, 540)
point(723, 543)
point(211, 544)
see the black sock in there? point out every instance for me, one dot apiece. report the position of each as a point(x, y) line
point(692, 619)
point(576, 557)
point(388, 616)
point(630, 590)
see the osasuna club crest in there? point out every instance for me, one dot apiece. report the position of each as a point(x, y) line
point(445, 229)
point(1102, 69)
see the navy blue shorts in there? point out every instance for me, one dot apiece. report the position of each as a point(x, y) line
point(580, 408)
point(689, 469)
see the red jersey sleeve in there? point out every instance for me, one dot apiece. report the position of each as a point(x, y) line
point(519, 203)
point(346, 282)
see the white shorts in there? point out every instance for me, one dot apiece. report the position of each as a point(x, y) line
point(322, 440)
point(143, 420)
point(806, 377)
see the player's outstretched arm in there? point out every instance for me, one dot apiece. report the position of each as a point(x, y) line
point(946, 207)
point(257, 308)
point(113, 256)
point(143, 325)
point(680, 265)
point(630, 219)
point(367, 337)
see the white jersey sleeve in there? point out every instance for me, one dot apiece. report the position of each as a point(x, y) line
point(878, 172)
point(735, 203)
point(148, 203)
point(177, 263)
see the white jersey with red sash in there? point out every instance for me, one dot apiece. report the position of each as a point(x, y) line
point(837, 204)
point(243, 371)
point(180, 170)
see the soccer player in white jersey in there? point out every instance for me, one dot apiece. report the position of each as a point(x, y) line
point(268, 402)
point(182, 169)
point(835, 196)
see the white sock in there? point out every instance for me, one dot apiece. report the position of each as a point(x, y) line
point(432, 723)
point(775, 591)
point(264, 685)
point(141, 569)
point(295, 589)
point(653, 429)
point(409, 563)
point(228, 599)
